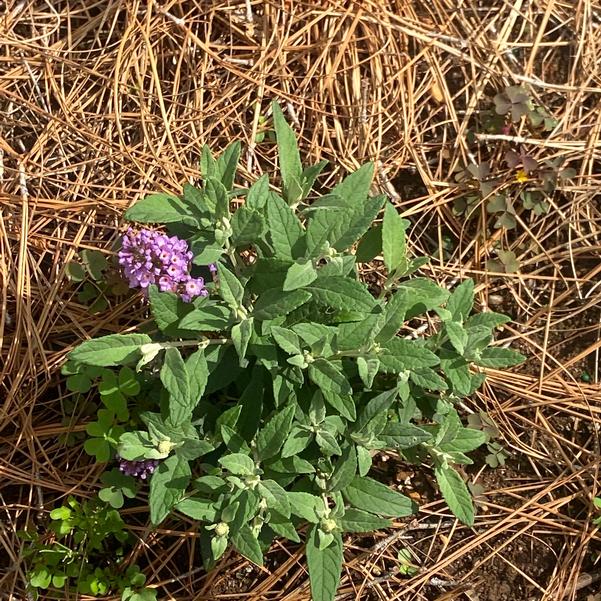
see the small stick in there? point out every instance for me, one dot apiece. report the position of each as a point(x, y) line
point(177, 20)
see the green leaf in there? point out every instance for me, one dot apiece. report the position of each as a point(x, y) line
point(456, 369)
point(357, 334)
point(344, 404)
point(490, 320)
point(310, 175)
point(393, 240)
point(284, 228)
point(167, 308)
point(286, 340)
point(192, 449)
point(275, 302)
point(364, 461)
point(175, 379)
point(167, 487)
point(427, 378)
point(378, 405)
point(403, 436)
point(283, 527)
point(128, 383)
point(75, 271)
point(209, 318)
point(423, 295)
point(206, 254)
point(327, 443)
point(246, 544)
point(291, 465)
point(198, 509)
point(272, 436)
point(197, 371)
point(370, 246)
point(456, 494)
point(208, 165)
point(258, 194)
point(239, 464)
point(356, 520)
point(400, 355)
point(160, 208)
point(457, 335)
point(134, 446)
point(342, 293)
point(275, 497)
point(344, 471)
point(461, 301)
point(112, 496)
point(325, 566)
point(355, 186)
point(230, 288)
point(368, 369)
point(297, 441)
point(95, 262)
point(217, 197)
point(329, 378)
point(106, 351)
point(300, 274)
point(241, 334)
point(40, 577)
point(227, 164)
point(496, 358)
point(289, 157)
point(78, 383)
point(247, 226)
point(305, 505)
point(195, 198)
point(372, 496)
point(466, 440)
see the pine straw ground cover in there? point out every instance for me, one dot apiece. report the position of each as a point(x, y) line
point(103, 101)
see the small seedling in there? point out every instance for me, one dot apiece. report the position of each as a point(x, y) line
point(83, 550)
point(97, 280)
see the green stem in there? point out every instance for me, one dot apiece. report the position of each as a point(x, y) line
point(204, 342)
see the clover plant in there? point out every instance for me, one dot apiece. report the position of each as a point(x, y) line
point(84, 548)
point(526, 181)
point(278, 375)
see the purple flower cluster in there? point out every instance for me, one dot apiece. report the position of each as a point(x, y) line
point(153, 258)
point(139, 469)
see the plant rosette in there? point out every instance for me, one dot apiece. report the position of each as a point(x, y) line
point(272, 391)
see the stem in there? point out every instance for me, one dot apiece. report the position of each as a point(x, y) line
point(204, 342)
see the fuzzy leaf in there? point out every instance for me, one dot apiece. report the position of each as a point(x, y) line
point(160, 208)
point(274, 302)
point(284, 228)
point(461, 301)
point(393, 240)
point(356, 520)
point(456, 494)
point(375, 497)
point(106, 351)
point(289, 157)
point(299, 274)
point(324, 566)
point(247, 226)
point(247, 545)
point(342, 293)
point(175, 379)
point(497, 358)
point(274, 433)
point(167, 487)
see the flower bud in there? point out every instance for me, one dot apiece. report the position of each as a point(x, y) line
point(222, 529)
point(165, 446)
point(328, 525)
